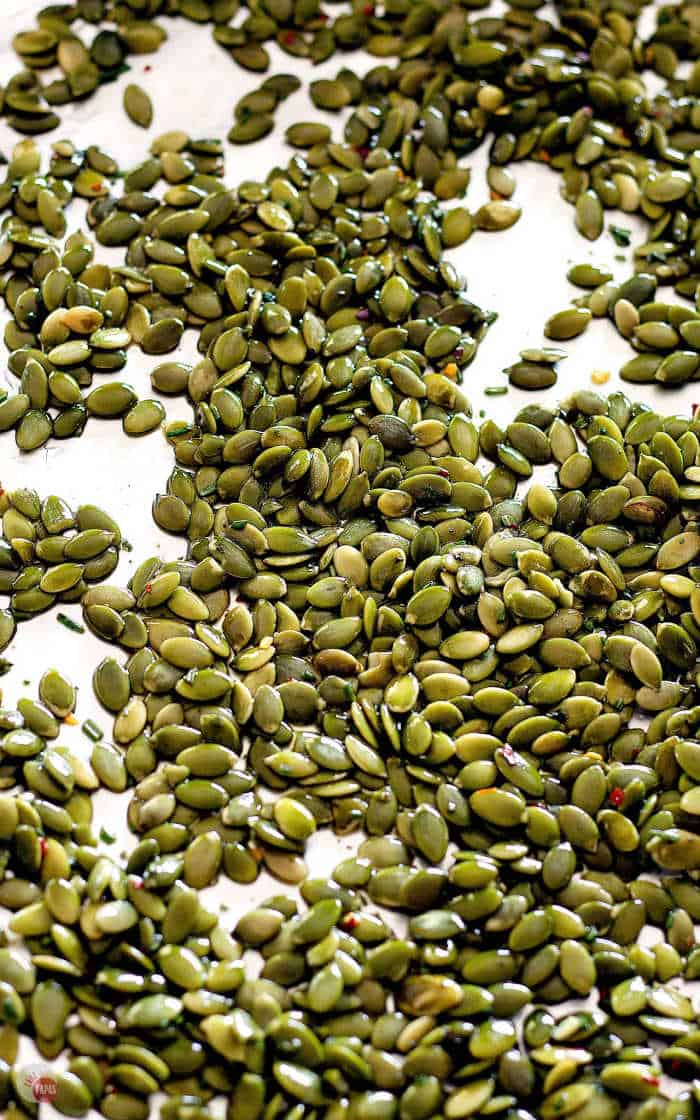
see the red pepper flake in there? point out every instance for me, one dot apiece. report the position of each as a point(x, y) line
point(653, 1081)
point(695, 406)
point(96, 187)
point(617, 796)
point(350, 921)
point(43, 845)
point(361, 150)
point(147, 68)
point(368, 10)
point(289, 37)
point(324, 17)
point(362, 314)
point(148, 588)
point(137, 882)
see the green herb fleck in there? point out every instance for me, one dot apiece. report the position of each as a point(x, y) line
point(621, 235)
point(70, 624)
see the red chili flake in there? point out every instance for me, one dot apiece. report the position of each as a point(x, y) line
point(350, 921)
point(2, 491)
point(324, 17)
point(362, 314)
point(96, 187)
point(43, 845)
point(654, 1081)
point(147, 68)
point(289, 37)
point(368, 10)
point(617, 796)
point(137, 882)
point(695, 406)
point(148, 588)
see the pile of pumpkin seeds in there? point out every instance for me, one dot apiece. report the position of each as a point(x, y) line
point(50, 553)
point(489, 678)
point(459, 677)
point(56, 780)
point(571, 93)
point(276, 274)
point(668, 344)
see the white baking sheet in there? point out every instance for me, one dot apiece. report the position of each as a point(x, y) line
point(520, 273)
